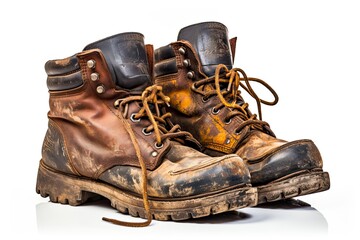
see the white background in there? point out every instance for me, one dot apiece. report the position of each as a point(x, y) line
point(308, 51)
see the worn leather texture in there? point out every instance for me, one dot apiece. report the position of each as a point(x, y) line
point(87, 137)
point(165, 61)
point(267, 157)
point(210, 40)
point(63, 74)
point(162, 53)
point(127, 60)
point(64, 82)
point(188, 108)
point(54, 149)
point(91, 126)
point(184, 172)
point(62, 66)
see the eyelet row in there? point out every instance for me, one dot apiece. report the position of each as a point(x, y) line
point(227, 122)
point(187, 63)
point(91, 64)
point(133, 119)
point(190, 75)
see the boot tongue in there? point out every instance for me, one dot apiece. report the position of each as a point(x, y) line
point(210, 40)
point(126, 58)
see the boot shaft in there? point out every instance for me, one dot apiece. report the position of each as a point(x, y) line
point(128, 61)
point(211, 43)
point(86, 134)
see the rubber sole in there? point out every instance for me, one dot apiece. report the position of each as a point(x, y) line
point(302, 184)
point(73, 190)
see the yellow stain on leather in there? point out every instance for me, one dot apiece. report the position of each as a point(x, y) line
point(182, 100)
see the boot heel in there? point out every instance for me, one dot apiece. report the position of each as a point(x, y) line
point(61, 188)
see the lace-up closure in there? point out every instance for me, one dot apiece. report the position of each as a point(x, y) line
point(154, 96)
point(230, 96)
point(151, 100)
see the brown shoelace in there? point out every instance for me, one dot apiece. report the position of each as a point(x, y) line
point(152, 95)
point(231, 96)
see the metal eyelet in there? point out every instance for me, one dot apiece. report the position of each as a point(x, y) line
point(204, 100)
point(215, 112)
point(190, 74)
point(228, 121)
point(117, 103)
point(158, 146)
point(187, 62)
point(100, 89)
point(193, 86)
point(133, 119)
point(91, 63)
point(182, 50)
point(94, 77)
point(154, 154)
point(146, 133)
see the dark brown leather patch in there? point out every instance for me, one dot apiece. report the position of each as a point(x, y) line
point(62, 66)
point(64, 82)
point(54, 152)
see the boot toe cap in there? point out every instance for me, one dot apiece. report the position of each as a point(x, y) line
point(287, 159)
point(208, 175)
point(183, 178)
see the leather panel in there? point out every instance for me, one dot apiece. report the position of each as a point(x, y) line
point(64, 82)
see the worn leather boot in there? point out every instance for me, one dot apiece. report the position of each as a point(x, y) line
point(197, 73)
point(108, 135)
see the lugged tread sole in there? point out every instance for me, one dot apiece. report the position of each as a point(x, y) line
point(294, 186)
point(73, 190)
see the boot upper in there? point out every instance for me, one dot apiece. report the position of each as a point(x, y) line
point(94, 95)
point(189, 109)
point(86, 117)
point(186, 70)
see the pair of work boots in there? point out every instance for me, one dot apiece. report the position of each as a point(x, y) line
point(116, 110)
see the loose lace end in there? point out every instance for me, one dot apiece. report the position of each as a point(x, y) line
point(127, 224)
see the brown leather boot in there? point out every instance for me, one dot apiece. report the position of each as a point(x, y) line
point(108, 135)
point(197, 73)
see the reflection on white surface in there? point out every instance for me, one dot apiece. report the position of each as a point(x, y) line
point(281, 219)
